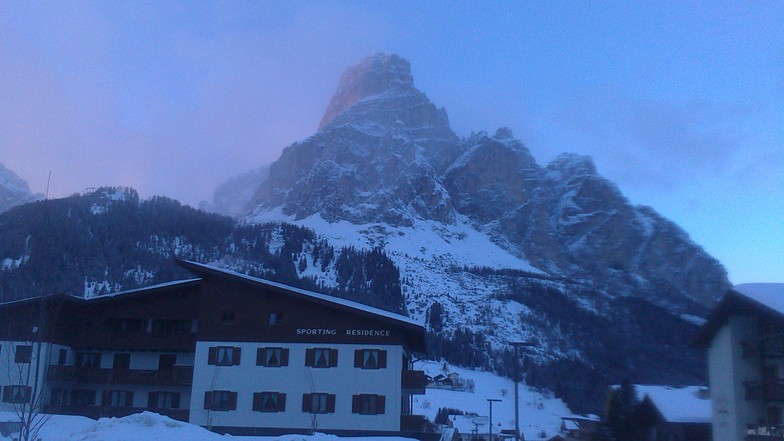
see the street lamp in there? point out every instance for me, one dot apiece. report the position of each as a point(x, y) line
point(517, 345)
point(491, 401)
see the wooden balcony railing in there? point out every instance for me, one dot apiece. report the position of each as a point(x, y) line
point(413, 382)
point(176, 376)
point(764, 390)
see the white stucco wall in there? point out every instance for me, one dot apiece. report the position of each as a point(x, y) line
point(295, 380)
point(727, 370)
point(22, 374)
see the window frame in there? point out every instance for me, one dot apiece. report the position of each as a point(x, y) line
point(220, 400)
point(312, 358)
point(215, 355)
point(23, 354)
point(318, 403)
point(368, 404)
point(263, 356)
point(260, 399)
point(10, 394)
point(361, 359)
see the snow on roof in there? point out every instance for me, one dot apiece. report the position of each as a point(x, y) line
point(768, 294)
point(311, 294)
point(688, 404)
point(146, 288)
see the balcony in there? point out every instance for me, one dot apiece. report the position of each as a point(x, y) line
point(176, 376)
point(413, 423)
point(764, 391)
point(769, 346)
point(413, 382)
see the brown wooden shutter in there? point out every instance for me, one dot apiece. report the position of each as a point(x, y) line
point(281, 402)
point(232, 400)
point(176, 400)
point(333, 357)
point(284, 358)
point(129, 399)
point(257, 401)
point(208, 400)
point(7, 394)
point(212, 358)
point(356, 403)
point(260, 357)
point(152, 400)
point(307, 402)
point(331, 403)
point(358, 355)
point(380, 404)
point(310, 357)
point(382, 359)
point(105, 398)
point(236, 356)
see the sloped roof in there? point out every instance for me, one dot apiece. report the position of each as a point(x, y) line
point(688, 404)
point(411, 326)
point(766, 299)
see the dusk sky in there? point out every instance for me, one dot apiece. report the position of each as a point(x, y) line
point(679, 103)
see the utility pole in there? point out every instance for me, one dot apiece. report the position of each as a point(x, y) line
point(517, 345)
point(491, 401)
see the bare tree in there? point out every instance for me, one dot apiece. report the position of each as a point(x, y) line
point(27, 364)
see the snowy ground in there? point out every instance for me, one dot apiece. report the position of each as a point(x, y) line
point(540, 415)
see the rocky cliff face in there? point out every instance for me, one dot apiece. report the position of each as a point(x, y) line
point(385, 154)
point(13, 190)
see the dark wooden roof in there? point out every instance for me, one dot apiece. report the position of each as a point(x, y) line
point(733, 303)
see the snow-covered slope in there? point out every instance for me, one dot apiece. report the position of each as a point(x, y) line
point(13, 190)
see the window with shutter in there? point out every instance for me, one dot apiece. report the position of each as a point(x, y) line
point(321, 357)
point(370, 359)
point(318, 403)
point(224, 356)
point(220, 400)
point(368, 404)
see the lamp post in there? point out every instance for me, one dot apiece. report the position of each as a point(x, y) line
point(491, 401)
point(517, 345)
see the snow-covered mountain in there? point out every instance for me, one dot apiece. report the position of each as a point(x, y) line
point(491, 246)
point(14, 190)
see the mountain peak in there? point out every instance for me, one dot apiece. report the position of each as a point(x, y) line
point(374, 75)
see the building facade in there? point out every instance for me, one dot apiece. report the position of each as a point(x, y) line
point(226, 351)
point(744, 338)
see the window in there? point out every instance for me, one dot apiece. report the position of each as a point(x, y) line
point(171, 326)
point(269, 402)
point(88, 359)
point(370, 359)
point(318, 403)
point(272, 357)
point(321, 357)
point(220, 400)
point(228, 318)
point(118, 398)
point(275, 318)
point(17, 394)
point(23, 354)
point(163, 400)
point(124, 325)
point(368, 404)
point(83, 397)
point(166, 361)
point(224, 356)
point(59, 397)
point(774, 415)
point(62, 357)
point(121, 361)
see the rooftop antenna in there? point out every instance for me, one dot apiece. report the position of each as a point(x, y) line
point(49, 179)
